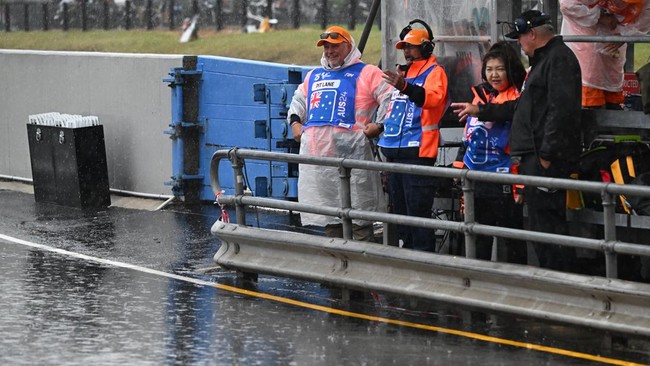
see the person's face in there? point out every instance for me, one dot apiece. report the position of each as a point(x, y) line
point(411, 53)
point(335, 53)
point(527, 42)
point(496, 74)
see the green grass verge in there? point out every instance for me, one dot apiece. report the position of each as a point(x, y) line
point(288, 46)
point(283, 46)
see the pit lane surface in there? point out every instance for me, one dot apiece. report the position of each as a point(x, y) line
point(139, 287)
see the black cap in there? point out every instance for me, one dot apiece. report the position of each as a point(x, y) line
point(527, 20)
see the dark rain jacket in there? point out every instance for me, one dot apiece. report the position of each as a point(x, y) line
point(546, 118)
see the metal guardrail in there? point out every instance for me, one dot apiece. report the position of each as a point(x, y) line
point(585, 300)
point(612, 305)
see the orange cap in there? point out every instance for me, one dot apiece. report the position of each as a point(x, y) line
point(334, 34)
point(414, 37)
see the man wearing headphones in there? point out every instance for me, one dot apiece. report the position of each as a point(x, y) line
point(329, 115)
point(545, 133)
point(411, 134)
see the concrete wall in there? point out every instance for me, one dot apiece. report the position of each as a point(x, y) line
point(126, 91)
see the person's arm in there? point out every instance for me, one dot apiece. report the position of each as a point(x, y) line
point(432, 94)
point(640, 26)
point(297, 111)
point(375, 100)
point(497, 112)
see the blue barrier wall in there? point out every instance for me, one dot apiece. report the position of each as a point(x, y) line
point(241, 104)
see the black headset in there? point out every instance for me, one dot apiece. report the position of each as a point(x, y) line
point(426, 48)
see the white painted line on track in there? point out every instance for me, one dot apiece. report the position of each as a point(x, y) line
point(109, 262)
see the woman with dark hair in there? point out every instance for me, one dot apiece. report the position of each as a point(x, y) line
point(486, 148)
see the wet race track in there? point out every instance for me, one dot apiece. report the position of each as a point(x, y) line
point(135, 286)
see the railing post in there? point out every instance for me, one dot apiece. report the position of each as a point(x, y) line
point(237, 167)
point(609, 222)
point(346, 200)
point(469, 217)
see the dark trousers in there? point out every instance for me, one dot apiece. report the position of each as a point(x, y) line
point(413, 195)
point(547, 213)
point(495, 206)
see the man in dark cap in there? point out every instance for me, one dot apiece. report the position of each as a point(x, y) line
point(545, 135)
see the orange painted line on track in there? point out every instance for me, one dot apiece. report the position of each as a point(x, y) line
point(530, 346)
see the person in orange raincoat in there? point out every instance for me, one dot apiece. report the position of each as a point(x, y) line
point(602, 64)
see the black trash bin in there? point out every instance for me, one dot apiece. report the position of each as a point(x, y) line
point(69, 165)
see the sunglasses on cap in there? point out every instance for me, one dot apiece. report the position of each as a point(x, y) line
point(333, 35)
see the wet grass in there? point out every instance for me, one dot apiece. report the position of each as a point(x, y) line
point(282, 46)
point(288, 46)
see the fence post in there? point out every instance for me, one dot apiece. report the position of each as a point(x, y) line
point(105, 14)
point(243, 14)
point(172, 5)
point(324, 14)
point(352, 21)
point(468, 199)
point(26, 16)
point(295, 15)
point(218, 15)
point(84, 15)
point(127, 14)
point(7, 13)
point(148, 14)
point(66, 24)
point(609, 222)
point(46, 17)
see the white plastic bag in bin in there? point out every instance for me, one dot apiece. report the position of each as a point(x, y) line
point(63, 120)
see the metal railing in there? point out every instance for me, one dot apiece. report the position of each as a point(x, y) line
point(606, 303)
point(609, 244)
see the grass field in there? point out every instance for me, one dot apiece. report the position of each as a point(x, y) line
point(294, 46)
point(282, 46)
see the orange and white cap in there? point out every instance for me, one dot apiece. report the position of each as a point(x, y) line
point(414, 37)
